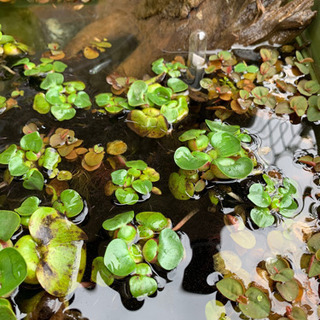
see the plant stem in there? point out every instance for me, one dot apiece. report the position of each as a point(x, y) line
point(185, 219)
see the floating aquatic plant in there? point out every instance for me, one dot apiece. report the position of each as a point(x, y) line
point(272, 198)
point(217, 154)
point(61, 98)
point(239, 85)
point(95, 48)
point(134, 248)
point(134, 181)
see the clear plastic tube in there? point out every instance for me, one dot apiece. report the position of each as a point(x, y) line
point(196, 57)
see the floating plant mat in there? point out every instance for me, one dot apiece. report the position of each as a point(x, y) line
point(82, 183)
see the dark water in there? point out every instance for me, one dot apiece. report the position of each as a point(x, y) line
point(188, 289)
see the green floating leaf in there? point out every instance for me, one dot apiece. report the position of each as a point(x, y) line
point(82, 100)
point(118, 221)
point(142, 186)
point(288, 290)
point(100, 273)
point(143, 269)
point(275, 265)
point(137, 164)
point(177, 85)
point(258, 305)
point(234, 169)
point(314, 269)
point(72, 202)
point(314, 243)
point(145, 233)
point(216, 126)
point(28, 206)
point(59, 66)
point(136, 93)
point(150, 250)
point(63, 111)
point(160, 96)
point(258, 196)
point(158, 66)
point(283, 275)
point(262, 217)
point(171, 250)
point(61, 245)
point(232, 289)
point(50, 158)
point(119, 176)
point(33, 180)
point(180, 186)
point(185, 160)
point(191, 134)
point(51, 80)
point(127, 233)
point(7, 154)
point(13, 270)
point(126, 196)
point(9, 222)
point(17, 166)
point(6, 312)
point(226, 144)
point(118, 259)
point(156, 221)
point(299, 105)
point(40, 104)
point(27, 247)
point(31, 141)
point(141, 286)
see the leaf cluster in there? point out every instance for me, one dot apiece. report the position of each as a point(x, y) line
point(135, 246)
point(217, 154)
point(61, 98)
point(275, 197)
point(134, 181)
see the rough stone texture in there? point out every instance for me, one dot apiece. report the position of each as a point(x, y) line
point(165, 25)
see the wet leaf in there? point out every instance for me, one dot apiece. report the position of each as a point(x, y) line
point(63, 111)
point(170, 250)
point(175, 110)
point(118, 221)
point(32, 142)
point(180, 187)
point(258, 305)
point(116, 147)
point(225, 143)
point(234, 169)
point(100, 273)
point(275, 265)
point(262, 217)
point(283, 108)
point(13, 270)
point(127, 233)
point(142, 186)
point(90, 53)
point(33, 180)
point(308, 88)
point(145, 233)
point(118, 259)
point(232, 289)
point(59, 66)
point(7, 154)
point(17, 166)
point(82, 100)
point(141, 286)
point(186, 160)
point(137, 164)
point(136, 93)
point(40, 103)
point(118, 177)
point(6, 310)
point(27, 247)
point(156, 221)
point(50, 159)
point(28, 206)
point(259, 196)
point(148, 123)
point(177, 85)
point(313, 112)
point(9, 222)
point(72, 202)
point(289, 290)
point(160, 96)
point(283, 275)
point(150, 250)
point(217, 126)
point(314, 269)
point(299, 105)
point(51, 80)
point(126, 196)
point(314, 243)
point(191, 134)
